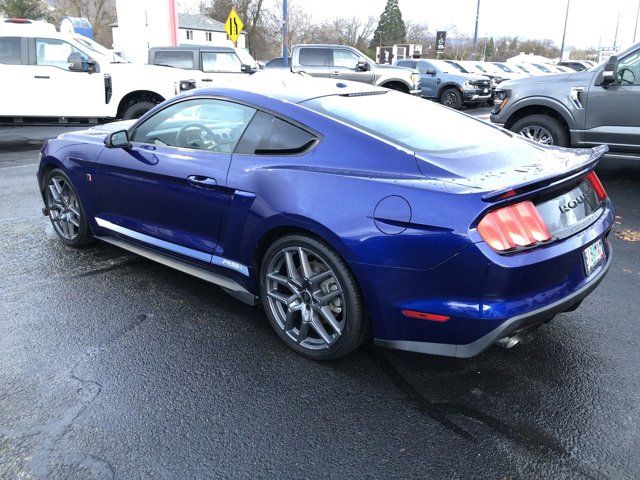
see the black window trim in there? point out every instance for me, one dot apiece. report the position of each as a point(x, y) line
point(318, 136)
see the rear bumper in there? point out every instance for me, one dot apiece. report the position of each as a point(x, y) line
point(510, 326)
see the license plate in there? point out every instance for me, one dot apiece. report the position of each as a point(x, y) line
point(593, 256)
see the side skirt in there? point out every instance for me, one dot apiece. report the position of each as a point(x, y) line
point(228, 285)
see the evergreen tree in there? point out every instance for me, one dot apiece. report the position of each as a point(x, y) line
point(391, 28)
point(31, 9)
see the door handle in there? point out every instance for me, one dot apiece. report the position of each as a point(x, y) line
point(202, 182)
point(207, 79)
point(335, 73)
point(41, 77)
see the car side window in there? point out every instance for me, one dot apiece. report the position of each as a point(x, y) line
point(269, 135)
point(345, 58)
point(220, 62)
point(11, 50)
point(407, 63)
point(209, 125)
point(174, 58)
point(55, 53)
point(422, 67)
point(629, 70)
point(314, 57)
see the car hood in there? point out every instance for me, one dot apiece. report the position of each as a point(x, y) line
point(467, 76)
point(503, 165)
point(97, 133)
point(399, 70)
point(157, 71)
point(579, 78)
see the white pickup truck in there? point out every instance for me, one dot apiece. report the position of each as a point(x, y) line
point(44, 73)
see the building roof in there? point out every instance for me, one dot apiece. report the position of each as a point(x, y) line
point(196, 22)
point(199, 22)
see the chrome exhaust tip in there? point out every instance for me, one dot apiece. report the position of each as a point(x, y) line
point(508, 342)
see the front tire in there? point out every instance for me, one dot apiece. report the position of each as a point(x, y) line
point(542, 129)
point(65, 210)
point(137, 109)
point(312, 299)
point(451, 98)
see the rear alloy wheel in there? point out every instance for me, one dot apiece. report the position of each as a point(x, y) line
point(451, 98)
point(542, 129)
point(65, 210)
point(312, 299)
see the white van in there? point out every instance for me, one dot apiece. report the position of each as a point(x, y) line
point(44, 73)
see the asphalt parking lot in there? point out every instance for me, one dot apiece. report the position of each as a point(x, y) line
point(112, 366)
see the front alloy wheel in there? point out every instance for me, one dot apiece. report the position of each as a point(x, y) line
point(65, 210)
point(537, 134)
point(311, 298)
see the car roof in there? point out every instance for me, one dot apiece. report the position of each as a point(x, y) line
point(26, 28)
point(286, 86)
point(211, 48)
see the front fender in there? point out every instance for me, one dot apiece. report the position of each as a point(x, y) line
point(540, 102)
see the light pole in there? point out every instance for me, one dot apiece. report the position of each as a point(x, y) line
point(564, 32)
point(615, 39)
point(285, 34)
point(475, 34)
point(635, 30)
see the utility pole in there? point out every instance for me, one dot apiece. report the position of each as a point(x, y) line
point(564, 32)
point(285, 34)
point(615, 39)
point(475, 34)
point(635, 30)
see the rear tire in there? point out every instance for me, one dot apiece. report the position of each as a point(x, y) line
point(542, 129)
point(451, 98)
point(305, 300)
point(136, 109)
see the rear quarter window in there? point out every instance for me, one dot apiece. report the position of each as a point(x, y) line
point(269, 135)
point(316, 57)
point(10, 50)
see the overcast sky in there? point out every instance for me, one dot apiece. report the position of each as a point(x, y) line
point(591, 22)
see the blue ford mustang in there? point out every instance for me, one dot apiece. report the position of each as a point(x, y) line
point(348, 211)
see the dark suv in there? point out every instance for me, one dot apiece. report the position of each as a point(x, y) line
point(582, 109)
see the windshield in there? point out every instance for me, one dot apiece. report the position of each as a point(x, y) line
point(522, 68)
point(97, 48)
point(540, 67)
point(441, 65)
point(456, 66)
point(245, 57)
point(409, 121)
point(503, 67)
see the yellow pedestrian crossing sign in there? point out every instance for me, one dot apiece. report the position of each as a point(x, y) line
point(233, 26)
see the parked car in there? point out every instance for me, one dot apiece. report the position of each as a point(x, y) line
point(511, 69)
point(442, 82)
point(210, 59)
point(49, 74)
point(349, 211)
point(276, 63)
point(576, 65)
point(346, 63)
point(471, 67)
point(580, 109)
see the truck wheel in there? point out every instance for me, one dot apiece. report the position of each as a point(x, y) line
point(542, 129)
point(451, 98)
point(137, 109)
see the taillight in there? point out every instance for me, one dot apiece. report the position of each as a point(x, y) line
point(518, 225)
point(597, 186)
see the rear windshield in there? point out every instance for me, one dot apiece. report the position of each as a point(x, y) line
point(409, 121)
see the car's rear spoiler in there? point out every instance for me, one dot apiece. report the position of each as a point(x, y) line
point(550, 182)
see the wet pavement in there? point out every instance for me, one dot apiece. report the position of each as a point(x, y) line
point(112, 366)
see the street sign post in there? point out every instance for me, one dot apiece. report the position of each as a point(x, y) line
point(233, 26)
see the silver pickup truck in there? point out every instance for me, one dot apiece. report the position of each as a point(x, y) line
point(347, 63)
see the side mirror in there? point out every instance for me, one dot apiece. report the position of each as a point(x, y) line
point(610, 71)
point(362, 66)
point(430, 71)
point(76, 64)
point(119, 139)
point(246, 68)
